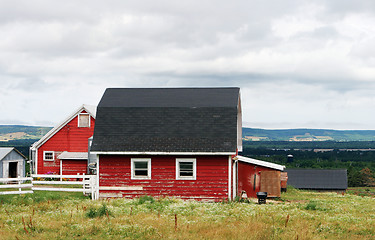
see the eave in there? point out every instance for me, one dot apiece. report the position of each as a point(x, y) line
point(91, 110)
point(260, 163)
point(164, 153)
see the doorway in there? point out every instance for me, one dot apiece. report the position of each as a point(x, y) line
point(13, 169)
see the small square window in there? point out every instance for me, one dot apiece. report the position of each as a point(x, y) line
point(48, 156)
point(186, 168)
point(84, 120)
point(140, 168)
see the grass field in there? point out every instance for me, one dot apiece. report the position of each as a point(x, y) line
point(297, 215)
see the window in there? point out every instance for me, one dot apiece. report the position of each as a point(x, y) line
point(141, 168)
point(83, 120)
point(186, 168)
point(48, 156)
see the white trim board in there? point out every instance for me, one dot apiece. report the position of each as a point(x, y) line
point(49, 160)
point(178, 161)
point(122, 188)
point(165, 153)
point(79, 120)
point(260, 163)
point(132, 168)
point(229, 178)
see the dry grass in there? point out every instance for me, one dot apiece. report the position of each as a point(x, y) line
point(311, 216)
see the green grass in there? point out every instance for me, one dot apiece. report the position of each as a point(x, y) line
point(296, 215)
point(362, 191)
point(40, 196)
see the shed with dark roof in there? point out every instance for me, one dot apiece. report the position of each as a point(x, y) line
point(167, 142)
point(318, 179)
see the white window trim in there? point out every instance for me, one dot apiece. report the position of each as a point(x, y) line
point(44, 155)
point(79, 121)
point(178, 160)
point(133, 160)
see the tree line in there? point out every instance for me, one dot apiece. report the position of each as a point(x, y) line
point(360, 165)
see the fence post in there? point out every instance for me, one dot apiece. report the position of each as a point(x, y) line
point(61, 173)
point(19, 184)
point(93, 188)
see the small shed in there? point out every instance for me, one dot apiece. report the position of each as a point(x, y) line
point(12, 163)
point(258, 176)
point(318, 179)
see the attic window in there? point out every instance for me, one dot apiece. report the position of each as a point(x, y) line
point(83, 120)
point(48, 156)
point(186, 168)
point(140, 168)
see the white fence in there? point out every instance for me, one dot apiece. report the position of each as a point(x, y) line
point(88, 183)
point(46, 182)
point(17, 183)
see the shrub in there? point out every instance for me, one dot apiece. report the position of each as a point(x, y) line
point(91, 213)
point(146, 198)
point(238, 199)
point(100, 212)
point(311, 206)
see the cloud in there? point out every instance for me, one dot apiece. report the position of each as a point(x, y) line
point(311, 58)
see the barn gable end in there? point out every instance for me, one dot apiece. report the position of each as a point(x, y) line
point(179, 140)
point(69, 136)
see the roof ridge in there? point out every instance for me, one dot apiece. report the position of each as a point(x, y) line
point(55, 129)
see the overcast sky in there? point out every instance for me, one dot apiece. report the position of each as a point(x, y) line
point(299, 64)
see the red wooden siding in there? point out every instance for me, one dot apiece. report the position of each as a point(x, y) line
point(246, 174)
point(211, 181)
point(73, 167)
point(70, 138)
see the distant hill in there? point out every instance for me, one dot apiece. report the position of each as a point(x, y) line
point(11, 133)
point(21, 132)
point(256, 134)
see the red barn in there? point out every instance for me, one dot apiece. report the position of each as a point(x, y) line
point(168, 142)
point(64, 149)
point(258, 176)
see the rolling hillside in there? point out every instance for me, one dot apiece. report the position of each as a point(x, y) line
point(256, 134)
point(19, 132)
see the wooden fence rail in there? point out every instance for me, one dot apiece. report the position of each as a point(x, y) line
point(18, 183)
point(45, 182)
point(88, 183)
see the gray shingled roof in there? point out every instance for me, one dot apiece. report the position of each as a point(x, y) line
point(167, 120)
point(319, 179)
point(5, 151)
